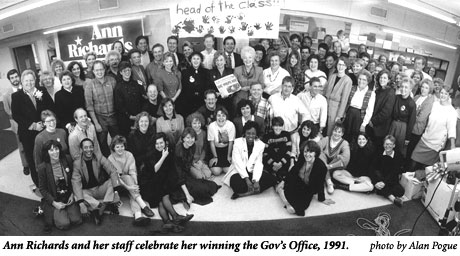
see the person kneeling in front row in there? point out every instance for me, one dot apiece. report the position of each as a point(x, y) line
point(91, 184)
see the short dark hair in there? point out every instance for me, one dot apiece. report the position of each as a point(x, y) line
point(210, 91)
point(364, 54)
point(243, 103)
point(353, 50)
point(12, 72)
point(277, 121)
point(69, 74)
point(324, 46)
point(229, 38)
point(134, 50)
point(339, 125)
point(223, 110)
point(209, 35)
point(161, 135)
point(118, 139)
point(163, 103)
point(310, 146)
point(294, 36)
point(288, 79)
point(139, 38)
point(84, 140)
point(173, 37)
point(193, 116)
point(305, 47)
point(249, 125)
point(187, 131)
point(196, 53)
point(49, 145)
point(314, 79)
point(313, 56)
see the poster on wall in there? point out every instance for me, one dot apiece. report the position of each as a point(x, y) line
point(74, 43)
point(237, 18)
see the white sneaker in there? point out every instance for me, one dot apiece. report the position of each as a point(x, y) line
point(330, 188)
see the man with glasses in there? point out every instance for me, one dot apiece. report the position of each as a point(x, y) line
point(112, 59)
point(100, 105)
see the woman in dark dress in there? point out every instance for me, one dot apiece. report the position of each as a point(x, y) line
point(141, 140)
point(158, 181)
point(194, 190)
point(55, 185)
point(195, 81)
point(68, 99)
point(127, 97)
point(356, 176)
point(304, 180)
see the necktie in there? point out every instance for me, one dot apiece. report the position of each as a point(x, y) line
point(229, 60)
point(32, 98)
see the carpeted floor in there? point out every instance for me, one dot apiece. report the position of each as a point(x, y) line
point(16, 219)
point(7, 143)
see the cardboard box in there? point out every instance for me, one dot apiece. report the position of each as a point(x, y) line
point(441, 198)
point(412, 186)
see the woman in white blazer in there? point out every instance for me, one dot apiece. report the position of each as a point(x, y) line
point(246, 175)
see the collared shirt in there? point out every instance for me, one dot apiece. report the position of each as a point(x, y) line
point(99, 96)
point(289, 108)
point(272, 80)
point(232, 59)
point(208, 58)
point(145, 59)
point(392, 154)
point(316, 106)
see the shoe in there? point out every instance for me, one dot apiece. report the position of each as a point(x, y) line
point(141, 221)
point(147, 211)
point(290, 209)
point(330, 188)
point(112, 209)
point(235, 196)
point(398, 202)
point(38, 211)
point(181, 219)
point(26, 171)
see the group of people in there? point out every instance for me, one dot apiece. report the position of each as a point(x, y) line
point(153, 125)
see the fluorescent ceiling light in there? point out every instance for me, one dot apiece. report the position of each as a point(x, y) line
point(417, 7)
point(418, 38)
point(26, 8)
point(92, 24)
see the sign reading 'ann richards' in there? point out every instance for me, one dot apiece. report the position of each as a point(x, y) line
point(74, 43)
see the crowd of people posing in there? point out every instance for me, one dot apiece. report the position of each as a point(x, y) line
point(153, 126)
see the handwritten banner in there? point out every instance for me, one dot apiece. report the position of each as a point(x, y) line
point(238, 18)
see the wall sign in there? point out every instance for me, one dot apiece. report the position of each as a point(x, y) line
point(238, 18)
point(74, 43)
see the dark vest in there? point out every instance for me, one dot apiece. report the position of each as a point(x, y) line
point(367, 96)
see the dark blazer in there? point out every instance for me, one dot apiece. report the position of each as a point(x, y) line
point(238, 59)
point(383, 109)
point(238, 122)
point(180, 56)
point(25, 113)
point(47, 183)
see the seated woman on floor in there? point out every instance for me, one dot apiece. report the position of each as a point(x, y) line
point(158, 181)
point(356, 176)
point(307, 131)
point(277, 153)
point(304, 180)
point(385, 172)
point(199, 191)
point(54, 177)
point(126, 167)
point(246, 175)
point(221, 134)
point(200, 168)
point(335, 153)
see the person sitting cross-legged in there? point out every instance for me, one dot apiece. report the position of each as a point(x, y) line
point(91, 182)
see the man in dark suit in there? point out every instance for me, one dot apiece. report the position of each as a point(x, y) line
point(15, 80)
point(94, 178)
point(26, 107)
point(172, 48)
point(142, 44)
point(232, 58)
